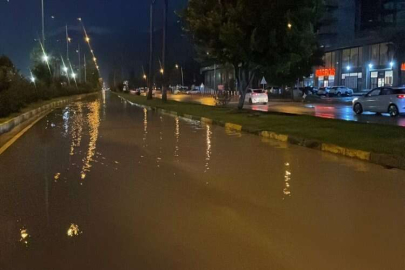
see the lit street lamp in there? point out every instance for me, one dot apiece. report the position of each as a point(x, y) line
point(45, 58)
point(182, 74)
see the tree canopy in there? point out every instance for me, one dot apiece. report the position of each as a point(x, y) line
point(276, 38)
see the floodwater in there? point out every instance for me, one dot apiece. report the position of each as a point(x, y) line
point(101, 184)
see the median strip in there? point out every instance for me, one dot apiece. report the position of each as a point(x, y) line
point(379, 144)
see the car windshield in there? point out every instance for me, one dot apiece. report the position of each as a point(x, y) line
point(258, 91)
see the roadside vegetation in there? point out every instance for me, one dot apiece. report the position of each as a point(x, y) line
point(383, 139)
point(18, 92)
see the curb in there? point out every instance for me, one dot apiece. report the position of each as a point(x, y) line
point(18, 120)
point(386, 160)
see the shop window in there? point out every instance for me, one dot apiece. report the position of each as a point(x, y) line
point(354, 57)
point(328, 60)
point(375, 52)
point(360, 56)
point(346, 57)
point(389, 79)
point(383, 54)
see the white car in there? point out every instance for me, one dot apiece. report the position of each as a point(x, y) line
point(340, 91)
point(382, 100)
point(254, 96)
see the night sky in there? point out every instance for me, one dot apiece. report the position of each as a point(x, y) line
point(118, 30)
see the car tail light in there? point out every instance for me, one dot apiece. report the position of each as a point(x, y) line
point(401, 96)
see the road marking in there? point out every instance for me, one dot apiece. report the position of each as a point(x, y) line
point(19, 134)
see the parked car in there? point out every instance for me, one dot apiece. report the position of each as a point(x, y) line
point(323, 91)
point(254, 96)
point(340, 91)
point(382, 100)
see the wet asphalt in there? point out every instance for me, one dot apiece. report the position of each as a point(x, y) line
point(331, 108)
point(101, 184)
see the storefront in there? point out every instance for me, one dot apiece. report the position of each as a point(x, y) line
point(353, 80)
point(380, 78)
point(325, 77)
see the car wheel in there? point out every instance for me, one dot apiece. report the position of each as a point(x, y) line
point(250, 101)
point(358, 109)
point(393, 110)
point(339, 94)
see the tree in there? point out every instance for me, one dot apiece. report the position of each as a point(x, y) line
point(277, 37)
point(7, 72)
point(41, 70)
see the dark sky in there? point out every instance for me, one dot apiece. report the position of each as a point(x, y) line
point(118, 29)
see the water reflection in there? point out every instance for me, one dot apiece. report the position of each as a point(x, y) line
point(77, 128)
point(24, 237)
point(145, 127)
point(287, 180)
point(208, 151)
point(233, 132)
point(177, 136)
point(73, 230)
point(93, 119)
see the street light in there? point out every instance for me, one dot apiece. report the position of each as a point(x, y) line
point(162, 71)
point(182, 74)
point(74, 75)
point(391, 64)
point(289, 25)
point(370, 66)
point(45, 58)
point(348, 68)
point(144, 76)
point(87, 39)
point(33, 79)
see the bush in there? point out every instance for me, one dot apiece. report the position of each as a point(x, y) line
point(16, 92)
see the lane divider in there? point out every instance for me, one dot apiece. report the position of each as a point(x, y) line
point(389, 161)
point(22, 132)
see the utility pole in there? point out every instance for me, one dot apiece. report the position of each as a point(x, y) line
point(85, 69)
point(164, 89)
point(80, 63)
point(151, 50)
point(67, 44)
point(43, 22)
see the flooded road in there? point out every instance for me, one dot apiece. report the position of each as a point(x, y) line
point(101, 184)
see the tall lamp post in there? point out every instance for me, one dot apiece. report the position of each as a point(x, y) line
point(164, 89)
point(151, 50)
point(43, 22)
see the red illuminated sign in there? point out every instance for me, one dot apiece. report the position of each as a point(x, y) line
point(403, 67)
point(325, 72)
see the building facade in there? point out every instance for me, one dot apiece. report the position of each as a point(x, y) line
point(356, 37)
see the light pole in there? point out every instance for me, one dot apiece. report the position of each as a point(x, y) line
point(43, 22)
point(67, 43)
point(80, 64)
point(151, 50)
point(164, 90)
point(182, 74)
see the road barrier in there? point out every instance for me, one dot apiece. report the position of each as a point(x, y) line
point(18, 120)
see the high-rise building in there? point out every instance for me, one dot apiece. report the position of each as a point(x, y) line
point(357, 37)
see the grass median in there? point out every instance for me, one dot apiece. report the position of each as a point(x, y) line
point(375, 138)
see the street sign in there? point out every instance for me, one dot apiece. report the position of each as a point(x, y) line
point(263, 81)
